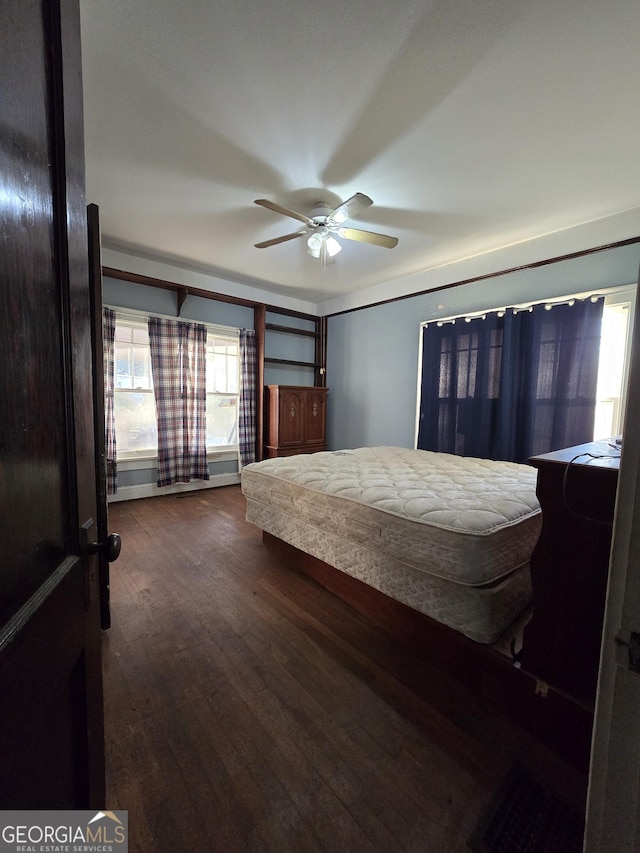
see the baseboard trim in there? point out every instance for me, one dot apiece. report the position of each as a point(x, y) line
point(151, 490)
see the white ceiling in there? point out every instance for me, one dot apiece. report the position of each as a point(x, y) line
point(472, 124)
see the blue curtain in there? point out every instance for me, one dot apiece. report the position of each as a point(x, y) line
point(511, 386)
point(460, 386)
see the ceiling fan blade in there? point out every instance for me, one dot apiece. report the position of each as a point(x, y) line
point(266, 243)
point(350, 207)
point(284, 211)
point(368, 237)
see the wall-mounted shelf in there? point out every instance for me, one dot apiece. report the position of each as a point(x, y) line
point(311, 364)
point(289, 330)
point(318, 334)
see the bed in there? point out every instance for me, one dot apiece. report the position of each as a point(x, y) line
point(448, 536)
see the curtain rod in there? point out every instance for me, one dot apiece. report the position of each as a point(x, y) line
point(137, 314)
point(528, 306)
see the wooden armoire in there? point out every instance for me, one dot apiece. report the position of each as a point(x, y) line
point(295, 420)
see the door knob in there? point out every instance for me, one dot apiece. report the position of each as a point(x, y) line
point(110, 548)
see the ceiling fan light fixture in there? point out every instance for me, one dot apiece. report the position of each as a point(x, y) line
point(333, 247)
point(315, 243)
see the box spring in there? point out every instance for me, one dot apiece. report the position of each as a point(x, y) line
point(448, 536)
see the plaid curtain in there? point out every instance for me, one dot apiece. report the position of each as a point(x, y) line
point(247, 409)
point(108, 337)
point(178, 363)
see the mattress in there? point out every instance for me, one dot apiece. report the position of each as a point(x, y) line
point(450, 536)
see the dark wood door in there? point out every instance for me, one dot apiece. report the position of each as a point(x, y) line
point(50, 668)
point(112, 543)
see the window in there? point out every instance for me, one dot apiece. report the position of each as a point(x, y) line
point(134, 400)
point(456, 355)
point(222, 391)
point(613, 366)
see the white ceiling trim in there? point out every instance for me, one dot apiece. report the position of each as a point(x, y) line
point(582, 238)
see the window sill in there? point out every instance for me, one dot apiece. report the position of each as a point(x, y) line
point(139, 463)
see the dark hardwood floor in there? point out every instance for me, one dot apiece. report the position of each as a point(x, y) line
point(248, 709)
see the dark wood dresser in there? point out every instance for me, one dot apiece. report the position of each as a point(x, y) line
point(570, 567)
point(295, 420)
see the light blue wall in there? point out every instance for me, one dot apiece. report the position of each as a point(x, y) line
point(291, 347)
point(372, 366)
point(287, 374)
point(127, 294)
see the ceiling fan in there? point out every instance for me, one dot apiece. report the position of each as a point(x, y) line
point(324, 224)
